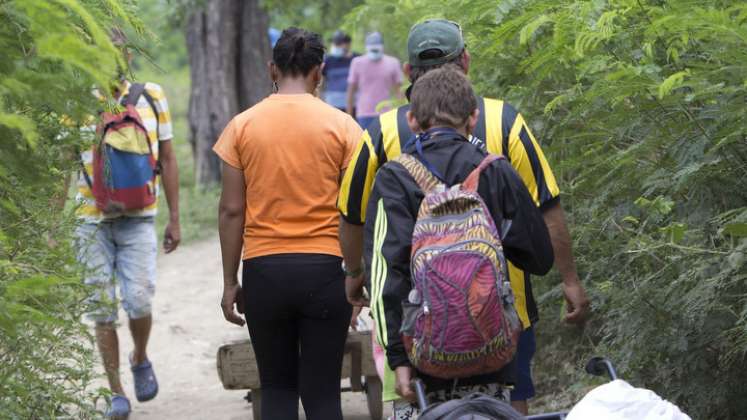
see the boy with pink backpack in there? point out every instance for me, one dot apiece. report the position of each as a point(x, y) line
point(444, 217)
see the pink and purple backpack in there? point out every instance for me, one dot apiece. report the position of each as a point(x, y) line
point(459, 319)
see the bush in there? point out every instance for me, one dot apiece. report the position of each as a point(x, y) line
point(53, 53)
point(640, 107)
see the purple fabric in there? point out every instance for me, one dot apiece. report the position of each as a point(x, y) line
point(375, 81)
point(464, 322)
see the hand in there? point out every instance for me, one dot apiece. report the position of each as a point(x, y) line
point(354, 291)
point(404, 383)
point(576, 302)
point(354, 318)
point(232, 296)
point(171, 236)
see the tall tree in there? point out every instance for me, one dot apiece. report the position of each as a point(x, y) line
point(228, 50)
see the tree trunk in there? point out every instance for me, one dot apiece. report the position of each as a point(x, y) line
point(228, 50)
point(254, 53)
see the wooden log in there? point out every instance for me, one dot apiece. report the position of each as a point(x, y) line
point(237, 366)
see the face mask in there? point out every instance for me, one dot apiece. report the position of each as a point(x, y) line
point(335, 51)
point(374, 53)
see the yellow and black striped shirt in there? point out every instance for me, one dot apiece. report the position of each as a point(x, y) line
point(500, 130)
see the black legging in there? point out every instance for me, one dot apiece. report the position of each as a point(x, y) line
point(298, 320)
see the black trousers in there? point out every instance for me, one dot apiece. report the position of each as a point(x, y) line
point(298, 320)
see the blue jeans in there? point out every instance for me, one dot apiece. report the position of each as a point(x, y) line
point(119, 251)
point(524, 388)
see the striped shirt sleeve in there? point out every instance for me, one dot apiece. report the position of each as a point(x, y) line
point(358, 179)
point(512, 137)
point(165, 128)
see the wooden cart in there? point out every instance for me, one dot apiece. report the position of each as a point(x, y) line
point(237, 369)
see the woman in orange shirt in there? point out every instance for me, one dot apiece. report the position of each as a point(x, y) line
point(282, 164)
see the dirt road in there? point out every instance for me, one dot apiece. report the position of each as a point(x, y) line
point(187, 331)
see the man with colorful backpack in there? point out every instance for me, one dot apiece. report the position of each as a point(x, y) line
point(501, 130)
point(116, 239)
point(442, 219)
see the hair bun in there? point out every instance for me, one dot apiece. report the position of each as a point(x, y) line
point(299, 44)
point(298, 51)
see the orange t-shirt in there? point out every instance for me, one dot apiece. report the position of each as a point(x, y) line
point(292, 150)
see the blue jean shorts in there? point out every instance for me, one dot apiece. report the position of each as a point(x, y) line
point(119, 252)
point(524, 388)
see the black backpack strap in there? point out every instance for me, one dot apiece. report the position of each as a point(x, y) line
point(136, 91)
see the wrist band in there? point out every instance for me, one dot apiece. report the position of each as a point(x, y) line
point(354, 273)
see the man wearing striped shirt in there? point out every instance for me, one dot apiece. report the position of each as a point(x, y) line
point(119, 249)
point(500, 130)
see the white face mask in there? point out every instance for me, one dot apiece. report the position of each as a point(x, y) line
point(336, 51)
point(374, 52)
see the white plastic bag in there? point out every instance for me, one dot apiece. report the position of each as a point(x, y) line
point(618, 400)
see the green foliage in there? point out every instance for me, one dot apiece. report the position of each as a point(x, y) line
point(323, 16)
point(639, 105)
point(53, 52)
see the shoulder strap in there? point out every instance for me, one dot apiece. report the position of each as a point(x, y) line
point(83, 171)
point(473, 179)
point(136, 91)
point(423, 177)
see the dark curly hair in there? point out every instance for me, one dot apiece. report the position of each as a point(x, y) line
point(298, 51)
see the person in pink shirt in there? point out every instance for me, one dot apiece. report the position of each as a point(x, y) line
point(373, 77)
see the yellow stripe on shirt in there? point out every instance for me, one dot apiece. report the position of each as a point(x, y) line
point(390, 134)
point(494, 126)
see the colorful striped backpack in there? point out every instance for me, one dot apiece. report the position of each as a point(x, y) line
point(125, 169)
point(459, 319)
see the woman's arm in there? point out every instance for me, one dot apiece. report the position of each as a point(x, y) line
point(231, 228)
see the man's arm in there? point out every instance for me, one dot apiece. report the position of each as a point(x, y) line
point(397, 93)
point(397, 80)
point(352, 89)
point(387, 246)
point(231, 229)
point(578, 302)
point(529, 161)
point(170, 179)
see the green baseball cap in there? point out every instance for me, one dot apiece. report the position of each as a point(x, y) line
point(441, 38)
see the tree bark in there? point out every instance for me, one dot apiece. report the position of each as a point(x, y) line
point(228, 49)
point(197, 114)
point(254, 54)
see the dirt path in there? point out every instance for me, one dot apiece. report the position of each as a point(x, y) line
point(188, 329)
